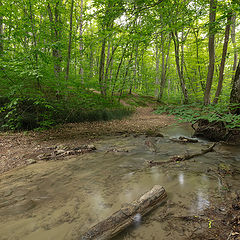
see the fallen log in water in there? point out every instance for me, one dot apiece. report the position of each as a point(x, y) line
point(183, 157)
point(184, 140)
point(121, 219)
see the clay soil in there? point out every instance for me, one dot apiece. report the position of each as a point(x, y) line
point(21, 149)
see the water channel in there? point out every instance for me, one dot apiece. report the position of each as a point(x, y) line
point(62, 199)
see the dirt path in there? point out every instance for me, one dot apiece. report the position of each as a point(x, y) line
point(20, 149)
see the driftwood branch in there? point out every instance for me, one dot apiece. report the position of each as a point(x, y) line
point(183, 157)
point(184, 140)
point(121, 219)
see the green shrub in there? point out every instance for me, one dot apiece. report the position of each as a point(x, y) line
point(213, 113)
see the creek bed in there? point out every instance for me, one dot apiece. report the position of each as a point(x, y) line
point(62, 199)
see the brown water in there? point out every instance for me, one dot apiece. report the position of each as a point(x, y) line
point(62, 199)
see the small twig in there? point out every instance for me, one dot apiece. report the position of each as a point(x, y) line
point(229, 236)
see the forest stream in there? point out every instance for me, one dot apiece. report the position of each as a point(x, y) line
point(62, 199)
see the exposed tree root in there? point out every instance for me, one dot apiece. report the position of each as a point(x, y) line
point(215, 131)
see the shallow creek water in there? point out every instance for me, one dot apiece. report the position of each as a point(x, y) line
point(62, 199)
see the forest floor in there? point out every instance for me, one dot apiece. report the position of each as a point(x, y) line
point(23, 148)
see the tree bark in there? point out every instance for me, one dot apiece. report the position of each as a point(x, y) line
point(179, 69)
point(164, 69)
point(125, 75)
point(81, 42)
point(1, 32)
point(198, 61)
point(211, 50)
point(108, 65)
point(127, 215)
point(157, 82)
point(235, 93)
point(119, 66)
point(56, 36)
point(102, 67)
point(135, 77)
point(224, 54)
point(33, 32)
point(233, 37)
point(69, 41)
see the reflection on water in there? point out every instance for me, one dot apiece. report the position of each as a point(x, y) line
point(181, 178)
point(62, 199)
point(202, 201)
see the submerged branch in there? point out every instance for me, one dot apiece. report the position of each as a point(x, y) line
point(183, 157)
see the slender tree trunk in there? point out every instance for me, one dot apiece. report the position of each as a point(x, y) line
point(233, 36)
point(56, 36)
point(111, 69)
point(135, 77)
point(1, 31)
point(235, 93)
point(224, 54)
point(91, 62)
point(81, 42)
point(198, 62)
point(125, 75)
point(164, 70)
point(180, 73)
point(118, 69)
point(33, 32)
point(108, 62)
point(102, 66)
point(211, 50)
point(69, 41)
point(157, 80)
point(108, 65)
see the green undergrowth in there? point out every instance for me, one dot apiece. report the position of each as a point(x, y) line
point(40, 112)
point(194, 112)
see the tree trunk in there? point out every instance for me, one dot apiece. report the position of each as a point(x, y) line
point(180, 73)
point(157, 82)
point(135, 77)
point(125, 76)
point(127, 215)
point(235, 93)
point(233, 35)
point(164, 70)
point(108, 66)
point(224, 54)
point(211, 50)
point(56, 36)
point(33, 32)
point(102, 66)
point(198, 62)
point(118, 69)
point(81, 42)
point(1, 31)
point(69, 41)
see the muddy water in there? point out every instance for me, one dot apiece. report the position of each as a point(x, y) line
point(61, 199)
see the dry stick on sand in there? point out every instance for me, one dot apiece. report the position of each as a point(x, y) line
point(183, 157)
point(121, 219)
